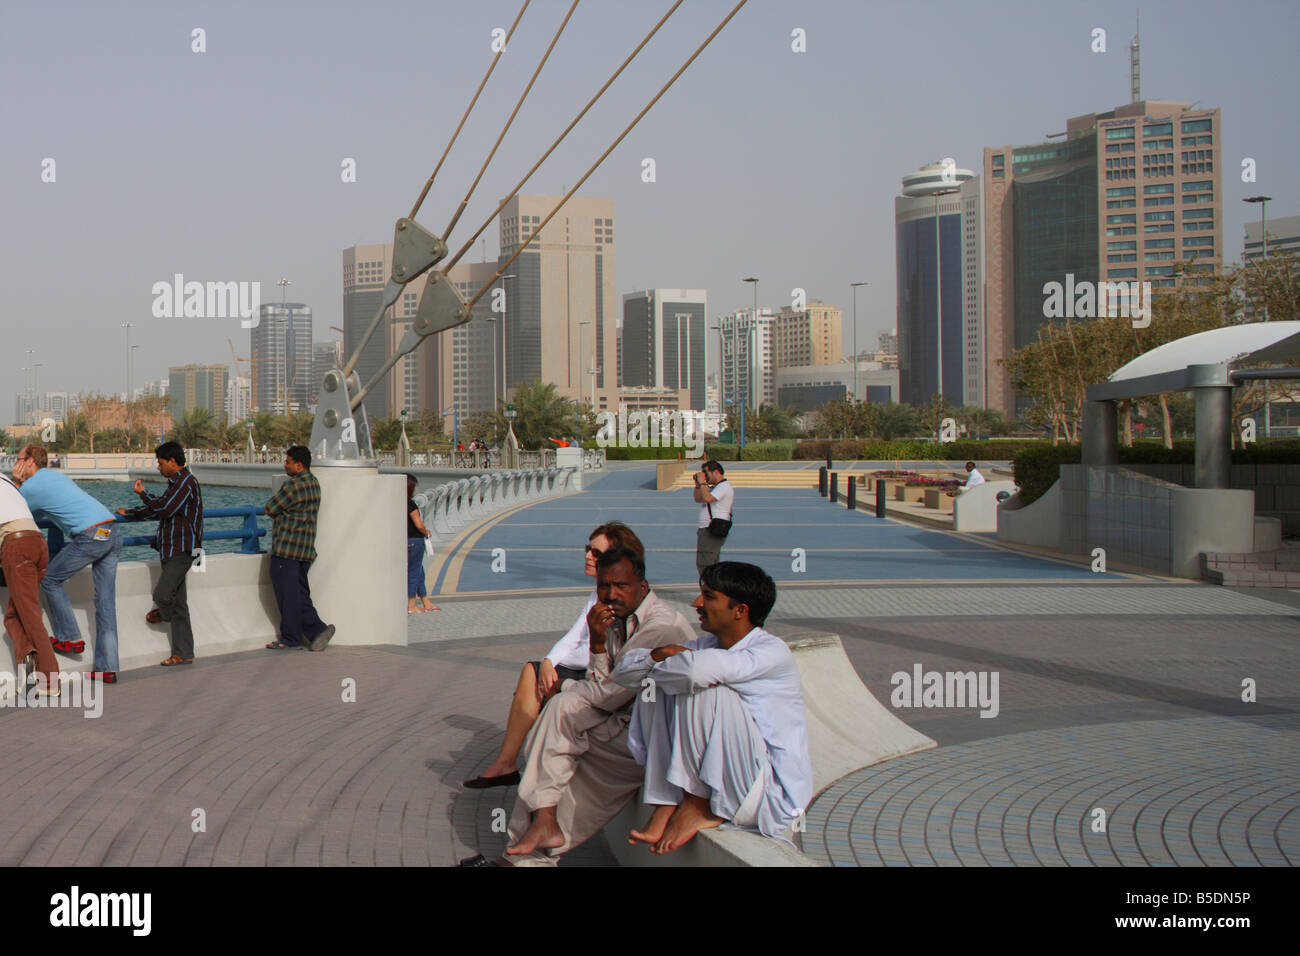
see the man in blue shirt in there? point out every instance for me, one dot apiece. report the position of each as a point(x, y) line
point(92, 538)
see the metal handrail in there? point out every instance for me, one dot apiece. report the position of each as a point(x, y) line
point(249, 533)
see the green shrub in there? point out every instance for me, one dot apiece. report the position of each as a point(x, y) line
point(1036, 468)
point(811, 450)
point(623, 453)
point(780, 450)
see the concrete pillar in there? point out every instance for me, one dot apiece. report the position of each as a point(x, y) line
point(1213, 436)
point(1100, 446)
point(358, 583)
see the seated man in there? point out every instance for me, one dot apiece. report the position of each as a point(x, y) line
point(721, 730)
point(578, 771)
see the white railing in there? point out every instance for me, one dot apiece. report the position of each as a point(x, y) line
point(447, 508)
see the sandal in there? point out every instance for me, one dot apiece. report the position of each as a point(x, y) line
point(174, 660)
point(282, 646)
point(154, 617)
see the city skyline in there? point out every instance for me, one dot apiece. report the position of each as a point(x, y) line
point(225, 165)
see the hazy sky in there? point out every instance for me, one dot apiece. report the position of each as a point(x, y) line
point(225, 165)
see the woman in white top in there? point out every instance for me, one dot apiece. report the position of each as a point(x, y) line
point(567, 660)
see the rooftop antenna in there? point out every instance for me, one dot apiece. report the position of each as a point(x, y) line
point(1135, 62)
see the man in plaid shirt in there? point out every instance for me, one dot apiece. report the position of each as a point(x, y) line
point(293, 512)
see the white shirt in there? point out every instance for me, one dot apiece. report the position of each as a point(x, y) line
point(574, 648)
point(722, 507)
point(12, 503)
point(974, 479)
point(762, 670)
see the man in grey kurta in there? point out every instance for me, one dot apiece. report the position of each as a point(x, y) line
point(579, 772)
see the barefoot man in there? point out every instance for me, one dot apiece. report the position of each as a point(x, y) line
point(720, 726)
point(579, 772)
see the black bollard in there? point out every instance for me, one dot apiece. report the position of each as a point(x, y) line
point(821, 481)
point(829, 464)
point(853, 493)
point(834, 487)
point(880, 498)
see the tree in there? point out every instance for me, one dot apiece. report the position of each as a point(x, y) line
point(385, 433)
point(897, 421)
point(931, 416)
point(542, 414)
point(296, 428)
point(195, 429)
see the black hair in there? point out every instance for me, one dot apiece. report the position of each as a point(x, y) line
point(300, 454)
point(742, 583)
point(614, 555)
point(970, 464)
point(171, 450)
point(712, 465)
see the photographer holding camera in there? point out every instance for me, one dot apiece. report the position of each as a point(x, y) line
point(715, 495)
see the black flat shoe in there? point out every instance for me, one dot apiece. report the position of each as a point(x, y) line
point(482, 783)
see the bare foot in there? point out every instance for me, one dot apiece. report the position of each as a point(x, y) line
point(430, 606)
point(654, 830)
point(544, 834)
point(413, 608)
point(689, 819)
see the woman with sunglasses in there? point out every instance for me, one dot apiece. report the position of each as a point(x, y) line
point(567, 660)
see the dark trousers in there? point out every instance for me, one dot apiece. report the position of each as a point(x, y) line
point(173, 603)
point(299, 622)
point(25, 560)
point(708, 549)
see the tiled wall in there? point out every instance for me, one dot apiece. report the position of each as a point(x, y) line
point(1126, 513)
point(1276, 487)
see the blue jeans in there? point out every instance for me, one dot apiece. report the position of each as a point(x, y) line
point(102, 555)
point(415, 567)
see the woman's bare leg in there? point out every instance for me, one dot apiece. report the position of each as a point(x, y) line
point(523, 712)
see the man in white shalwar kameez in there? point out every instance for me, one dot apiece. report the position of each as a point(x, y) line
point(720, 725)
point(579, 772)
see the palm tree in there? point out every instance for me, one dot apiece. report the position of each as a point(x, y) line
point(297, 427)
point(542, 414)
point(195, 430)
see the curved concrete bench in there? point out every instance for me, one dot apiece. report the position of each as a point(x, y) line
point(847, 729)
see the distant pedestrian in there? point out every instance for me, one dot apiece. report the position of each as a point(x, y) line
point(293, 510)
point(93, 539)
point(716, 497)
point(416, 533)
point(179, 511)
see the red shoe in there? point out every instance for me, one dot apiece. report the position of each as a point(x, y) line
point(68, 647)
point(108, 677)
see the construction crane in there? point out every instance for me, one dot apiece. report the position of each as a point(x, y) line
point(248, 391)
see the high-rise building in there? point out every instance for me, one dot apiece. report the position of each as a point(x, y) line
point(563, 278)
point(937, 228)
point(1283, 236)
point(663, 340)
point(1130, 195)
point(56, 405)
point(281, 360)
point(461, 367)
point(198, 386)
point(238, 408)
point(365, 271)
point(748, 372)
point(812, 335)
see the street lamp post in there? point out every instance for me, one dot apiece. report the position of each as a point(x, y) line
point(749, 367)
point(505, 376)
point(31, 389)
point(455, 433)
point(282, 369)
point(1263, 238)
point(854, 287)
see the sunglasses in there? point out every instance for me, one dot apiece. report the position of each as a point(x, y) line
point(594, 552)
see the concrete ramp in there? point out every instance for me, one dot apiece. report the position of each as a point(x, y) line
point(847, 729)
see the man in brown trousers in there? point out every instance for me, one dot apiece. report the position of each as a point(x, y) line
point(24, 558)
point(579, 771)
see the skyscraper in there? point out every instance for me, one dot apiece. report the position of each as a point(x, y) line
point(198, 386)
point(926, 248)
point(663, 340)
point(365, 271)
point(565, 277)
point(748, 373)
point(1133, 194)
point(461, 366)
point(812, 335)
point(282, 357)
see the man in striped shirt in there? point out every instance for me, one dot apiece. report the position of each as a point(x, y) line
point(179, 511)
point(293, 509)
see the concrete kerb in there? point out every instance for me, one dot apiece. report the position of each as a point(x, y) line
point(848, 729)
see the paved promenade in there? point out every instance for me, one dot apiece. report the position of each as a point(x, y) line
point(1116, 692)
